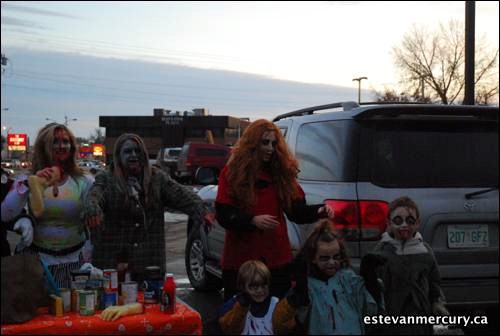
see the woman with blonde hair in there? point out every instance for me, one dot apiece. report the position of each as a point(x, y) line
point(256, 187)
point(59, 233)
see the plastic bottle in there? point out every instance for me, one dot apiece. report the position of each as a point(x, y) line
point(167, 304)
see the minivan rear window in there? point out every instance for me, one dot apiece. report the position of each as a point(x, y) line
point(430, 154)
point(327, 151)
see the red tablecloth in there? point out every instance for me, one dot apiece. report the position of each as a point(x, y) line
point(185, 321)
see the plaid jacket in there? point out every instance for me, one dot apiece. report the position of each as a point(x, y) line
point(131, 230)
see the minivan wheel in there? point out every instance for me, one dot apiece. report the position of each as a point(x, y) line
point(200, 279)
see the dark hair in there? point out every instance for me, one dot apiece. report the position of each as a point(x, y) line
point(118, 170)
point(325, 232)
point(404, 202)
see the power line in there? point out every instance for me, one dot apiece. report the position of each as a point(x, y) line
point(153, 83)
point(138, 99)
point(163, 94)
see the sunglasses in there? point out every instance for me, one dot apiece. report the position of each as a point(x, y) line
point(266, 142)
point(398, 220)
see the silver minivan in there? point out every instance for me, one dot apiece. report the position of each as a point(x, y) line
point(359, 158)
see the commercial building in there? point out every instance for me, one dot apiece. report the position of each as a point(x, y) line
point(172, 129)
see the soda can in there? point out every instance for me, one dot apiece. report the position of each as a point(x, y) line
point(66, 299)
point(109, 299)
point(56, 305)
point(87, 303)
point(128, 292)
point(112, 275)
point(152, 284)
point(75, 300)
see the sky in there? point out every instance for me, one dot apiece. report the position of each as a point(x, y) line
point(249, 59)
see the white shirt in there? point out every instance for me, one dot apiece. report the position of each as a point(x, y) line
point(261, 325)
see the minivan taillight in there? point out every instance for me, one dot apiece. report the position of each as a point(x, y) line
point(360, 220)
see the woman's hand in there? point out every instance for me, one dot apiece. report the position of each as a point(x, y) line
point(328, 210)
point(265, 222)
point(50, 174)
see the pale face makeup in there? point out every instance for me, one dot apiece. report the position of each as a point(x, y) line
point(268, 144)
point(403, 223)
point(328, 259)
point(61, 147)
point(130, 157)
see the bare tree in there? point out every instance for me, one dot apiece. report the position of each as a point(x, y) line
point(432, 64)
point(390, 95)
point(97, 136)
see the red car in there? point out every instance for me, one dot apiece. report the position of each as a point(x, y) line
point(198, 154)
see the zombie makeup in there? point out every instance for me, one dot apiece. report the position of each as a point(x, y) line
point(258, 289)
point(328, 258)
point(131, 158)
point(268, 144)
point(61, 147)
point(403, 223)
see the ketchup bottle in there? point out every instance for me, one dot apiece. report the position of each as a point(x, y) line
point(167, 304)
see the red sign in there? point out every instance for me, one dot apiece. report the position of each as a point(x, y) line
point(85, 150)
point(97, 150)
point(17, 142)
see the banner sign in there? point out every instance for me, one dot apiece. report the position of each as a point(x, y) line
point(17, 142)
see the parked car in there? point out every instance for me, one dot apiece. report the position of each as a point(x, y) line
point(7, 163)
point(167, 159)
point(92, 166)
point(359, 158)
point(198, 154)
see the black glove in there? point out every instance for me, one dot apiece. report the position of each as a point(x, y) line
point(244, 299)
point(300, 294)
point(369, 264)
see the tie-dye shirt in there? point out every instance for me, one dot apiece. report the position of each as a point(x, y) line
point(61, 225)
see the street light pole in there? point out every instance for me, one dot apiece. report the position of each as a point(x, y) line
point(66, 120)
point(359, 79)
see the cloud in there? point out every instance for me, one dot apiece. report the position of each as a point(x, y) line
point(32, 10)
point(54, 85)
point(10, 21)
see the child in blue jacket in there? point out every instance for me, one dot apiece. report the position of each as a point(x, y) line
point(338, 297)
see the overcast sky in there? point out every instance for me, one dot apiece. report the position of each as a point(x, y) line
point(84, 59)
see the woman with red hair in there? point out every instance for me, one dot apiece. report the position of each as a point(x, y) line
point(256, 187)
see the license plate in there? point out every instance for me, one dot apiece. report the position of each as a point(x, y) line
point(466, 236)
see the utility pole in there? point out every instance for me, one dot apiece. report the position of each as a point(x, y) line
point(359, 79)
point(470, 14)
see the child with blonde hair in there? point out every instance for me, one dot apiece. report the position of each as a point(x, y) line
point(253, 311)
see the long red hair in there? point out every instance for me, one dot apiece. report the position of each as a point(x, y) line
point(246, 160)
